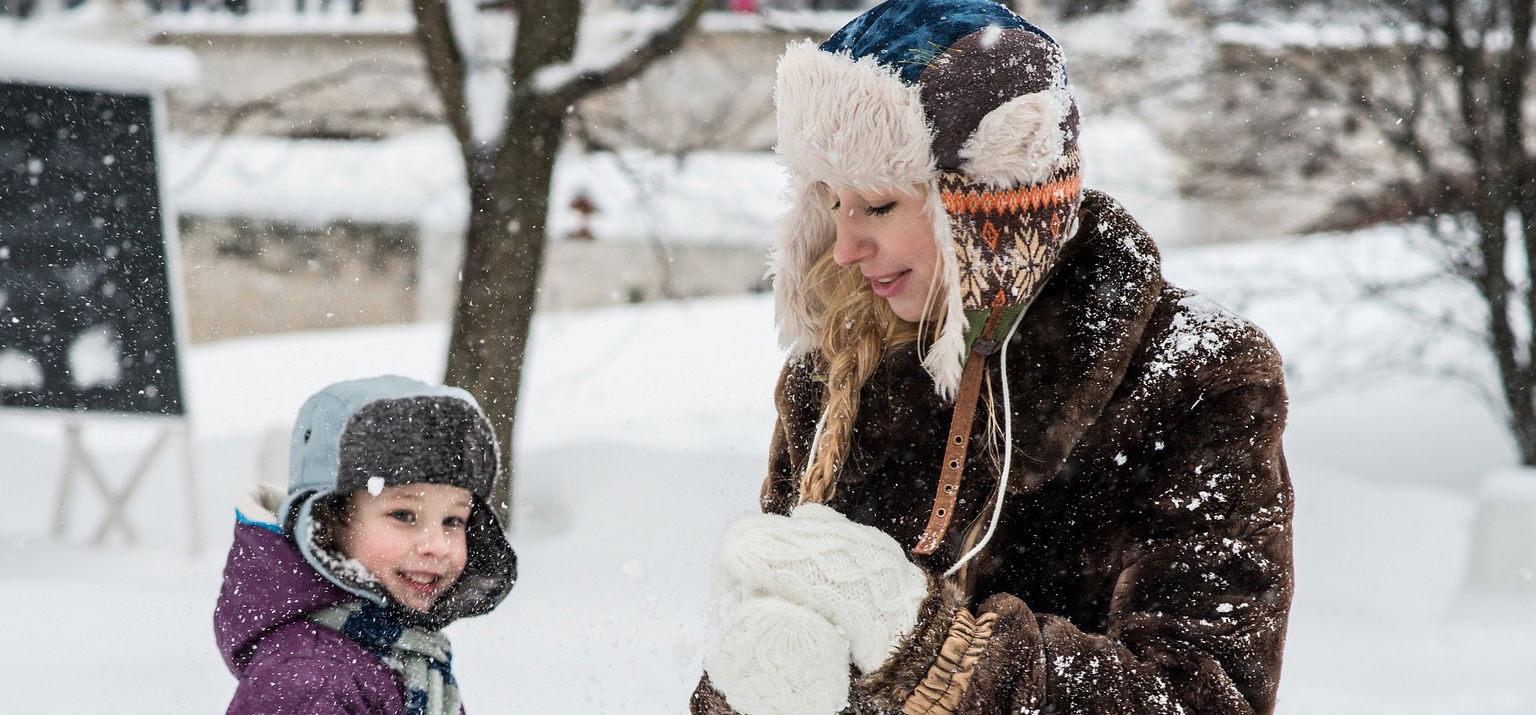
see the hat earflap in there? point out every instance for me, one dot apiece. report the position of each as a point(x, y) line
point(1018, 144)
point(805, 233)
point(945, 360)
point(303, 525)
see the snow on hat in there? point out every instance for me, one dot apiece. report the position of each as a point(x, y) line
point(961, 96)
point(387, 431)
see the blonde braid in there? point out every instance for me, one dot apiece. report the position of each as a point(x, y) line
point(857, 327)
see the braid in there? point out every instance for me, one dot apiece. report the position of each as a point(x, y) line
point(856, 329)
point(850, 351)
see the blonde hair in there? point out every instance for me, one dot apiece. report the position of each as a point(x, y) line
point(856, 329)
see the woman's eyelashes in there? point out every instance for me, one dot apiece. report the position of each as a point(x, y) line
point(880, 210)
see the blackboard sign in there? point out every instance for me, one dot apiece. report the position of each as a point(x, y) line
point(85, 299)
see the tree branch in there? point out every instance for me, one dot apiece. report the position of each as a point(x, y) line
point(1468, 67)
point(661, 43)
point(1511, 93)
point(1399, 124)
point(445, 65)
point(273, 103)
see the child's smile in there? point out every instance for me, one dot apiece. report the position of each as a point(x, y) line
point(423, 584)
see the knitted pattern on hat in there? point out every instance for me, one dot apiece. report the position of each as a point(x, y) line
point(961, 97)
point(855, 576)
point(778, 658)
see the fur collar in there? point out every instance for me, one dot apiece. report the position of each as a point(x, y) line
point(1066, 360)
point(1073, 349)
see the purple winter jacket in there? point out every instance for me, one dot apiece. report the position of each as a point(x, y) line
point(287, 665)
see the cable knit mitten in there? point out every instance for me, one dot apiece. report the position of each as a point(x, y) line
point(855, 576)
point(776, 658)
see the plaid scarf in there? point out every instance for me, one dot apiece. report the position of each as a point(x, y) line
point(422, 658)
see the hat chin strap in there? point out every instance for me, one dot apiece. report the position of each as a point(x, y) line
point(1002, 479)
point(958, 443)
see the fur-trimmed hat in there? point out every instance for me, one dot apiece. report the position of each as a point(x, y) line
point(386, 431)
point(963, 97)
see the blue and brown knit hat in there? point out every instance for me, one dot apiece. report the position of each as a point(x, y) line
point(961, 96)
point(386, 431)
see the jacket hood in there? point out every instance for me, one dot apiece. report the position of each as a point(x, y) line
point(386, 431)
point(267, 583)
point(963, 98)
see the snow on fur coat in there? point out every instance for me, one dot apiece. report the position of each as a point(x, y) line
point(1143, 560)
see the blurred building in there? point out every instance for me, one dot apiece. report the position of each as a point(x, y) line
point(310, 170)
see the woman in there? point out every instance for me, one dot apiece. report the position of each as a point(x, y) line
point(1052, 481)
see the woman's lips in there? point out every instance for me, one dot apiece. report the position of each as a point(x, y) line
point(892, 285)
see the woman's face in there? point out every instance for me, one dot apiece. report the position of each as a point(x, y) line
point(888, 237)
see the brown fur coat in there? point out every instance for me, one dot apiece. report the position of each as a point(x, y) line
point(1143, 560)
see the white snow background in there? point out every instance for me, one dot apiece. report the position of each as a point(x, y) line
point(643, 433)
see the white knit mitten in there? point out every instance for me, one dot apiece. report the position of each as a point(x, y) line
point(855, 576)
point(776, 658)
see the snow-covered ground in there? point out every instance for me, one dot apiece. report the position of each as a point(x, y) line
point(643, 433)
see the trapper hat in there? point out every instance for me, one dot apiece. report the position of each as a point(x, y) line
point(387, 431)
point(963, 97)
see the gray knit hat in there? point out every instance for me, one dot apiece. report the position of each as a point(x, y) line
point(387, 431)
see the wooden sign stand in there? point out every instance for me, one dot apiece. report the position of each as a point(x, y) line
point(80, 464)
point(110, 217)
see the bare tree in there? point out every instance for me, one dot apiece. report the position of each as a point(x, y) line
point(509, 168)
point(1444, 84)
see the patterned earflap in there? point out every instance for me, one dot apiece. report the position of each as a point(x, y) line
point(1008, 239)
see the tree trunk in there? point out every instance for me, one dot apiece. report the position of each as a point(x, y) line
point(509, 182)
point(504, 246)
point(1489, 96)
point(503, 258)
point(1503, 343)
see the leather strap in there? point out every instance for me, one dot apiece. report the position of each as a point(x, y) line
point(958, 444)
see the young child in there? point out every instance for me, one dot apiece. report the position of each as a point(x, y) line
point(335, 596)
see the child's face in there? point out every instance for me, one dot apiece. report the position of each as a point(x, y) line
point(411, 538)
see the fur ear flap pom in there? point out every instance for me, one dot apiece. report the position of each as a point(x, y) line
point(1019, 143)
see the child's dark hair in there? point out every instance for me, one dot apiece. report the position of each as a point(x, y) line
point(330, 515)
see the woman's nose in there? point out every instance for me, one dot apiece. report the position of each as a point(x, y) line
point(851, 245)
